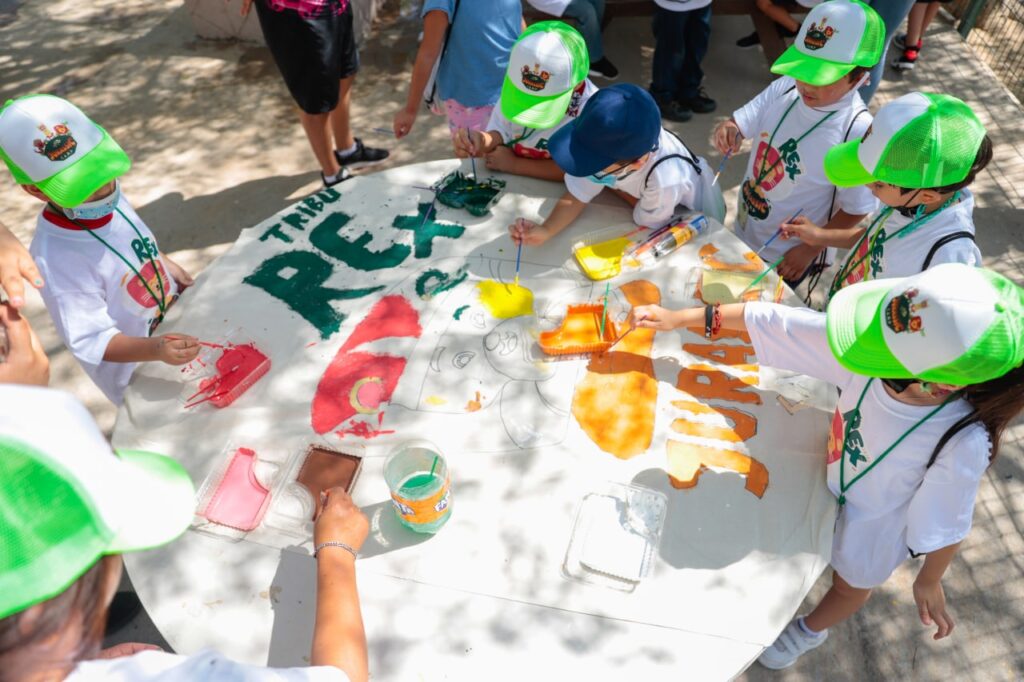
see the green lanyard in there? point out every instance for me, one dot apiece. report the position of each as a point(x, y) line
point(918, 222)
point(763, 173)
point(854, 418)
point(527, 132)
point(161, 300)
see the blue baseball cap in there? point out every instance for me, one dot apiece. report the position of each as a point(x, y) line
point(618, 123)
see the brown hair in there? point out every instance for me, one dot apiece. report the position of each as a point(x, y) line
point(857, 73)
point(81, 606)
point(996, 403)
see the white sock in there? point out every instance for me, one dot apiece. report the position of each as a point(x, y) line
point(805, 629)
point(337, 176)
point(350, 150)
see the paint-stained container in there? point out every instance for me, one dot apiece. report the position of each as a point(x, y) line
point(420, 484)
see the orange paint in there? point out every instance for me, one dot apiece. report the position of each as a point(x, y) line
point(704, 381)
point(734, 356)
point(687, 461)
point(615, 402)
point(744, 424)
point(753, 262)
point(475, 404)
point(580, 331)
point(722, 334)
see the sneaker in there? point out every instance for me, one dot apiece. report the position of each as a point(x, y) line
point(339, 177)
point(790, 645)
point(906, 60)
point(785, 32)
point(747, 42)
point(603, 68)
point(675, 111)
point(699, 103)
point(900, 41)
point(362, 156)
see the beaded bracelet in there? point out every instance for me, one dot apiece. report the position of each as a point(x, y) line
point(333, 543)
point(712, 320)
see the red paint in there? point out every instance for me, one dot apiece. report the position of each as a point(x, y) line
point(362, 430)
point(391, 317)
point(238, 368)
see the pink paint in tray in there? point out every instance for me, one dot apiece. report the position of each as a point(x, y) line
point(239, 499)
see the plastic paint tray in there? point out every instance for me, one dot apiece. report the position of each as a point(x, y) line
point(615, 537)
point(725, 285)
point(457, 190)
point(580, 331)
point(226, 374)
point(599, 253)
point(297, 504)
point(234, 498)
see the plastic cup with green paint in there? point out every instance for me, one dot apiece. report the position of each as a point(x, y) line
point(417, 476)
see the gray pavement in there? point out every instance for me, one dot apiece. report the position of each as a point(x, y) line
point(216, 148)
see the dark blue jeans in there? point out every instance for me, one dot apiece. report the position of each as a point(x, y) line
point(680, 43)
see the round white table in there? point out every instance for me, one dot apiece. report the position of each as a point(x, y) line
point(485, 598)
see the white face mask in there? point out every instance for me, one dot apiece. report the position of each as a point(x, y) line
point(94, 210)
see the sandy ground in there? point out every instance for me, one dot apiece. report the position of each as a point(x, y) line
point(216, 147)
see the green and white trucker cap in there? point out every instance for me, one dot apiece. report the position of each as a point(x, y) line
point(48, 142)
point(951, 324)
point(547, 63)
point(836, 37)
point(66, 499)
point(918, 141)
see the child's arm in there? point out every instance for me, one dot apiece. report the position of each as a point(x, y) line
point(16, 264)
point(800, 257)
point(663, 319)
point(928, 593)
point(530, 233)
point(727, 137)
point(842, 231)
point(435, 24)
point(178, 273)
point(504, 160)
point(339, 639)
point(174, 349)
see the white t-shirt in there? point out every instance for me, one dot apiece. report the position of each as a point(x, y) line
point(92, 295)
point(900, 506)
point(672, 183)
point(797, 182)
point(160, 666)
point(885, 252)
point(682, 5)
point(553, 7)
point(532, 143)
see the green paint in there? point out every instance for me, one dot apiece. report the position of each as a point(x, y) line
point(326, 237)
point(328, 196)
point(433, 282)
point(459, 311)
point(295, 220)
point(313, 204)
point(303, 290)
point(413, 484)
point(426, 230)
point(459, 191)
point(275, 231)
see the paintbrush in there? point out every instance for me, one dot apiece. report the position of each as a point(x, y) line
point(519, 256)
point(604, 309)
point(760, 277)
point(778, 232)
point(721, 167)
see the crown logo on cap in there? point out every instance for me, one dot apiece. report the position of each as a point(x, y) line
point(817, 36)
point(57, 144)
point(899, 314)
point(535, 79)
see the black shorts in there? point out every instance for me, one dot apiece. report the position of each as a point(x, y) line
point(312, 53)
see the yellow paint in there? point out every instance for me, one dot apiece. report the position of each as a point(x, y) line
point(505, 300)
point(604, 259)
point(435, 400)
point(724, 286)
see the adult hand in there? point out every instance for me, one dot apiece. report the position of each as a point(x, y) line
point(126, 649)
point(528, 233)
point(501, 159)
point(176, 349)
point(16, 265)
point(931, 607)
point(404, 121)
point(652, 317)
point(340, 520)
point(797, 260)
point(804, 230)
point(727, 137)
point(26, 363)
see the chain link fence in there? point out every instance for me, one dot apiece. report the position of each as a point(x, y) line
point(995, 29)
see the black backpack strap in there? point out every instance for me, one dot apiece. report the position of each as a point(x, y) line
point(939, 243)
point(691, 159)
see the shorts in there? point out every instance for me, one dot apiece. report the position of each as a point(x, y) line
point(459, 116)
point(313, 53)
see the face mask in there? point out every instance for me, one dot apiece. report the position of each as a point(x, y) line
point(609, 179)
point(911, 211)
point(94, 210)
point(606, 180)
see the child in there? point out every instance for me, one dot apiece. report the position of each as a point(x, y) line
point(589, 18)
point(911, 42)
point(923, 151)
point(468, 43)
point(791, 125)
point(682, 29)
point(545, 88)
point(618, 142)
point(906, 452)
point(107, 285)
point(71, 507)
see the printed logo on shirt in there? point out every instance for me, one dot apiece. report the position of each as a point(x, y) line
point(576, 101)
point(535, 79)
point(774, 167)
point(871, 265)
point(538, 152)
point(817, 36)
point(835, 438)
point(138, 292)
point(899, 314)
point(57, 144)
point(853, 445)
